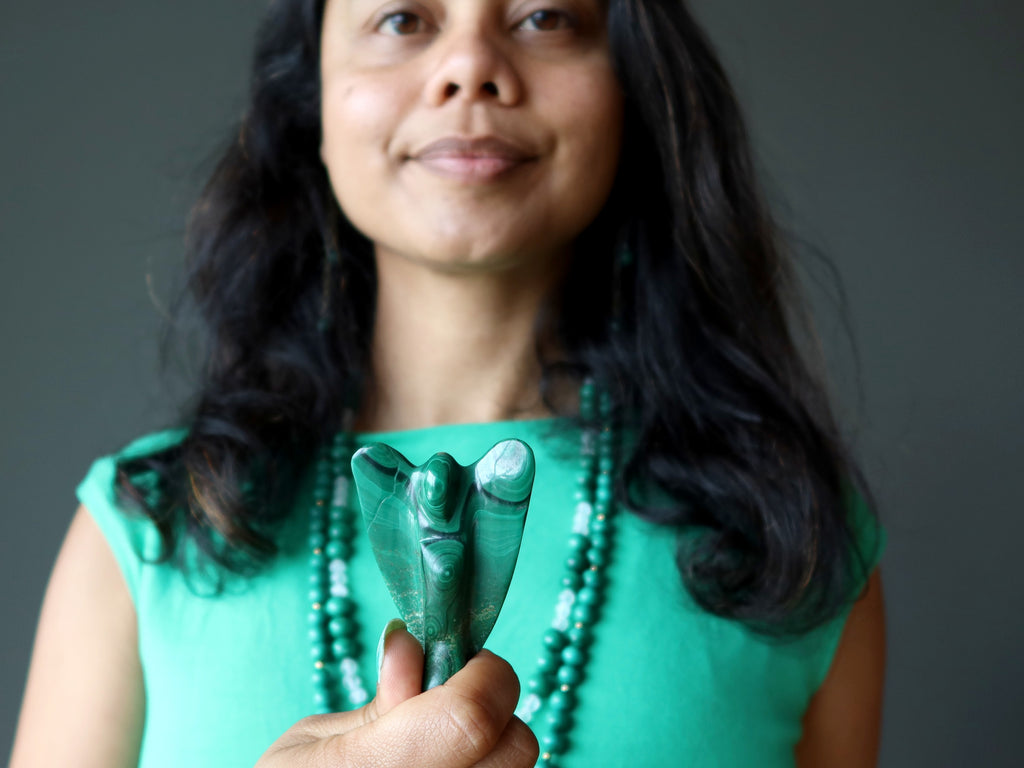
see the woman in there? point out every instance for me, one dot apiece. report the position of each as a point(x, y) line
point(442, 224)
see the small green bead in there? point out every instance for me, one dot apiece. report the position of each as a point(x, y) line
point(596, 557)
point(317, 651)
point(316, 540)
point(593, 579)
point(577, 542)
point(319, 678)
point(336, 627)
point(598, 524)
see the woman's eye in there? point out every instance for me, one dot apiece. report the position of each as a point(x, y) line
point(401, 23)
point(547, 20)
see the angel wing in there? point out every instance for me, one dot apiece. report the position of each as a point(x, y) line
point(503, 482)
point(383, 481)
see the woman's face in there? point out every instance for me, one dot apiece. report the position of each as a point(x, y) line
point(469, 134)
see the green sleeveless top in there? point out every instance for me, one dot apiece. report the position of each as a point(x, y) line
point(666, 683)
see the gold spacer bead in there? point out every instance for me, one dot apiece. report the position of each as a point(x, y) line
point(593, 568)
point(316, 606)
point(317, 551)
point(565, 688)
point(578, 625)
point(319, 665)
point(601, 516)
point(546, 756)
point(321, 502)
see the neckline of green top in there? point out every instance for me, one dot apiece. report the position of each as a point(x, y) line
point(475, 426)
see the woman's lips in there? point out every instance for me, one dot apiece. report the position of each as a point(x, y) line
point(477, 159)
point(468, 167)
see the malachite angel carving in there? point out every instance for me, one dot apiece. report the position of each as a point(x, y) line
point(446, 538)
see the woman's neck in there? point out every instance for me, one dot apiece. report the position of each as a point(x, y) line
point(451, 348)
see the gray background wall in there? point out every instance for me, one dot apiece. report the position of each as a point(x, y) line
point(890, 134)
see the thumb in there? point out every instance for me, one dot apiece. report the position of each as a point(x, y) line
point(399, 667)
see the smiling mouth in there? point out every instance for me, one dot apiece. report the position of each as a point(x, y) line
point(471, 160)
point(470, 167)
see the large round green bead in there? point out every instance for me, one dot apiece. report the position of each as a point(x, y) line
point(344, 647)
point(580, 636)
point(569, 675)
point(562, 701)
point(335, 606)
point(554, 640)
point(553, 742)
point(573, 656)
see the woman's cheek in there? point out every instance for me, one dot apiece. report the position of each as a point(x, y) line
point(359, 122)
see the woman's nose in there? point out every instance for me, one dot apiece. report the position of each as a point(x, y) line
point(473, 65)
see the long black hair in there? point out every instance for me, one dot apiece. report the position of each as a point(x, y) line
point(731, 421)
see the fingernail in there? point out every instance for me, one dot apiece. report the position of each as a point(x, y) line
point(389, 628)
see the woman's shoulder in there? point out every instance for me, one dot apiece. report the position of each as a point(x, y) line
point(131, 535)
point(150, 443)
point(98, 490)
point(867, 533)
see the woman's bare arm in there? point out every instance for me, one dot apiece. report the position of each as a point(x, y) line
point(842, 725)
point(84, 701)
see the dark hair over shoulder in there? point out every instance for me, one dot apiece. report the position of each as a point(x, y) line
point(731, 421)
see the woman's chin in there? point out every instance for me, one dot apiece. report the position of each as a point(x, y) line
point(473, 255)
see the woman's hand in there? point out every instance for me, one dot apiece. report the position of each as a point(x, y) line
point(468, 721)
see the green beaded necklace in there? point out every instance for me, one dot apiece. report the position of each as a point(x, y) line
point(561, 667)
